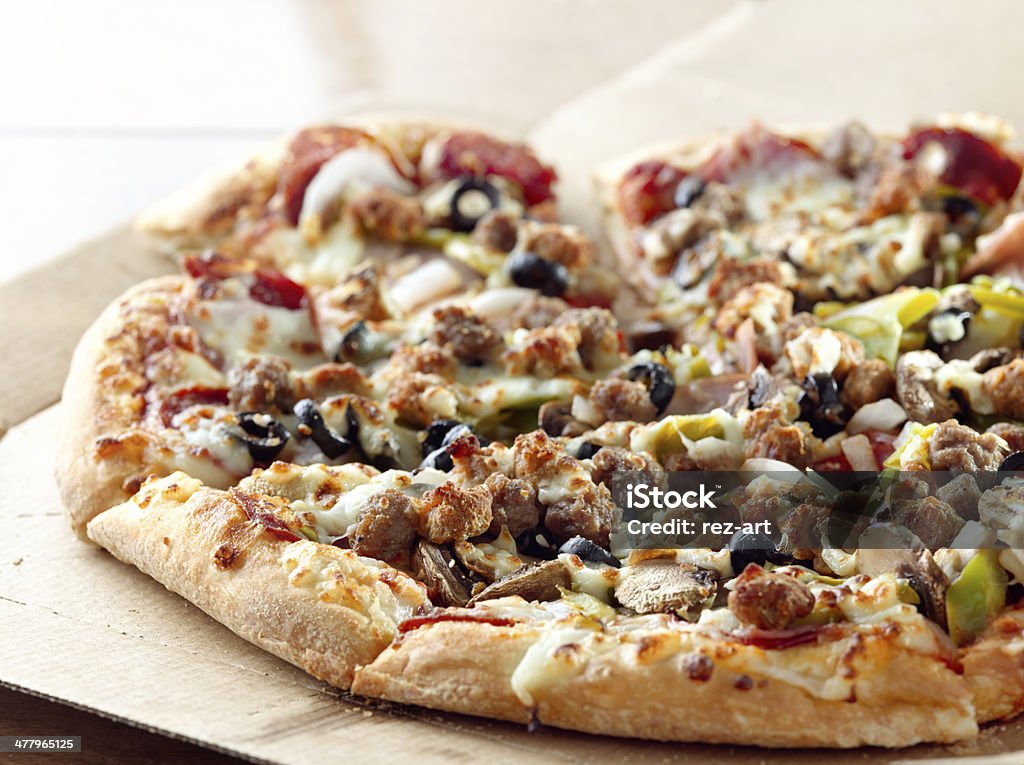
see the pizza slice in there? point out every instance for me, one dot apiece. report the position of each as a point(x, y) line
point(842, 215)
point(440, 204)
point(246, 559)
point(506, 596)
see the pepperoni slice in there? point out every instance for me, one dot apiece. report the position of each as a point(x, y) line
point(882, 444)
point(589, 300)
point(648, 190)
point(837, 464)
point(779, 640)
point(255, 512)
point(308, 152)
point(754, 149)
point(443, 616)
point(976, 167)
point(275, 289)
point(211, 265)
point(181, 400)
point(478, 154)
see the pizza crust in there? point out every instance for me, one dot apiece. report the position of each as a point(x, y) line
point(323, 609)
point(202, 213)
point(102, 455)
point(902, 698)
point(994, 668)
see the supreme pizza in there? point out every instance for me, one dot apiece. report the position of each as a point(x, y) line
point(379, 422)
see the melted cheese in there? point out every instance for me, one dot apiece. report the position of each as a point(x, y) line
point(559, 653)
point(361, 168)
point(346, 579)
point(205, 429)
point(239, 327)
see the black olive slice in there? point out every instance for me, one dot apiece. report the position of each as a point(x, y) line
point(589, 551)
point(527, 269)
point(1012, 464)
point(587, 450)
point(537, 544)
point(311, 424)
point(436, 432)
point(754, 548)
point(938, 338)
point(352, 342)
point(661, 385)
point(689, 190)
point(262, 435)
point(820, 405)
point(441, 458)
point(462, 220)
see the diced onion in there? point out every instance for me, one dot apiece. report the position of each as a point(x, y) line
point(499, 302)
point(584, 411)
point(859, 454)
point(884, 414)
point(765, 465)
point(367, 166)
point(431, 281)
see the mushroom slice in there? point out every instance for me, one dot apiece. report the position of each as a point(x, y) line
point(915, 565)
point(661, 586)
point(437, 569)
point(537, 582)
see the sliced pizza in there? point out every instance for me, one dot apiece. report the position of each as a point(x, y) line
point(844, 215)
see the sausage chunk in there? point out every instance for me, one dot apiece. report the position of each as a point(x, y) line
point(1010, 432)
point(451, 514)
point(545, 352)
point(589, 513)
point(538, 311)
point(962, 494)
point(610, 460)
point(389, 215)
point(467, 336)
point(420, 399)
point(933, 521)
point(961, 449)
point(557, 244)
point(513, 504)
point(387, 527)
point(261, 384)
point(359, 292)
point(917, 391)
point(599, 335)
point(869, 381)
point(769, 434)
point(1005, 385)
point(768, 600)
point(731, 275)
point(498, 230)
point(620, 400)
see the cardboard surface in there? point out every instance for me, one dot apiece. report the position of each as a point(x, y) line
point(81, 627)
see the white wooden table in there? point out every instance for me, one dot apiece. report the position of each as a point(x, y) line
point(107, 105)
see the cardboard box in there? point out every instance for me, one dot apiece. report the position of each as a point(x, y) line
point(82, 628)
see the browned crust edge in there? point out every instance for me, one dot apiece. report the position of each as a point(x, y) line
point(312, 613)
point(905, 698)
point(198, 214)
point(994, 668)
point(92, 410)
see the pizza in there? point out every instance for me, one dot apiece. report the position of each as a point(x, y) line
point(380, 424)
